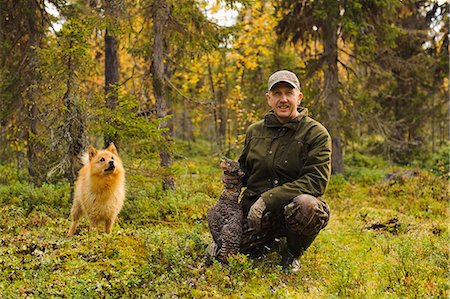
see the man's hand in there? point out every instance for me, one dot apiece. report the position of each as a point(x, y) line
point(256, 213)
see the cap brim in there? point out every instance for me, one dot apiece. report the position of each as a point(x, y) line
point(282, 81)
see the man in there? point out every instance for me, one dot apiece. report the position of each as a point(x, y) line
point(287, 165)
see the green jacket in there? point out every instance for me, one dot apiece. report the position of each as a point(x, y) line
point(282, 161)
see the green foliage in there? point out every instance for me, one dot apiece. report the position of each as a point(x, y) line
point(364, 175)
point(386, 237)
point(29, 198)
point(10, 174)
point(364, 169)
point(411, 190)
point(141, 135)
point(68, 53)
point(357, 159)
point(388, 232)
point(440, 162)
point(148, 203)
point(188, 149)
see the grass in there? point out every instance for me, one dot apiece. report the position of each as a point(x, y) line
point(387, 238)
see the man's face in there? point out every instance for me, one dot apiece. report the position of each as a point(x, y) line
point(284, 100)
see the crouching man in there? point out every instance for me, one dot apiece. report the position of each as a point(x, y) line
point(287, 165)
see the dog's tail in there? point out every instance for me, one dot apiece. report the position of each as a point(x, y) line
point(64, 163)
point(84, 158)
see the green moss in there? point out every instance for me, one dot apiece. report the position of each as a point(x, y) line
point(387, 238)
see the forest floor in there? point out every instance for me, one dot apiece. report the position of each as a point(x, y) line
point(388, 237)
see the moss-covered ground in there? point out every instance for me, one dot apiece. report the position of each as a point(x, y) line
point(388, 237)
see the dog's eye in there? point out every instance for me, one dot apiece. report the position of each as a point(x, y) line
point(102, 160)
point(112, 158)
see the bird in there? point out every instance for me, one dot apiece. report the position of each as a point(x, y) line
point(225, 218)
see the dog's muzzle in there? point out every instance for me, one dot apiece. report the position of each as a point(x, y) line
point(111, 166)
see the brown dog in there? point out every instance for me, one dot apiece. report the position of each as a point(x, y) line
point(99, 190)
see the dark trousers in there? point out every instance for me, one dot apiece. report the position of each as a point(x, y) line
point(300, 222)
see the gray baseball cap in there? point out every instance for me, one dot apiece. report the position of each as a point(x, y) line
point(283, 76)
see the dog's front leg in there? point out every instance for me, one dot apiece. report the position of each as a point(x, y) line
point(93, 225)
point(75, 213)
point(108, 225)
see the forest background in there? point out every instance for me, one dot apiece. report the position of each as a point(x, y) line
point(175, 91)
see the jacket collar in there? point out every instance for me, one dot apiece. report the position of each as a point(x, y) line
point(271, 121)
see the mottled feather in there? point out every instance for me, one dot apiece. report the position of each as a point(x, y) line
point(225, 217)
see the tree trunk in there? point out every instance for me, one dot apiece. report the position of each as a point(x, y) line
point(186, 124)
point(31, 148)
point(75, 126)
point(221, 108)
point(31, 83)
point(215, 108)
point(160, 15)
point(331, 94)
point(111, 66)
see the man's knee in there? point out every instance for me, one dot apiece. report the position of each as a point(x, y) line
point(306, 215)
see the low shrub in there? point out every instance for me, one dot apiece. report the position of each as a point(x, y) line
point(11, 174)
point(357, 159)
point(387, 238)
point(30, 197)
point(440, 162)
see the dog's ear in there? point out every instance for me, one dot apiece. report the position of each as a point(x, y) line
point(112, 148)
point(92, 152)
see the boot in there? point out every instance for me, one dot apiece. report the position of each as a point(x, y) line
point(289, 262)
